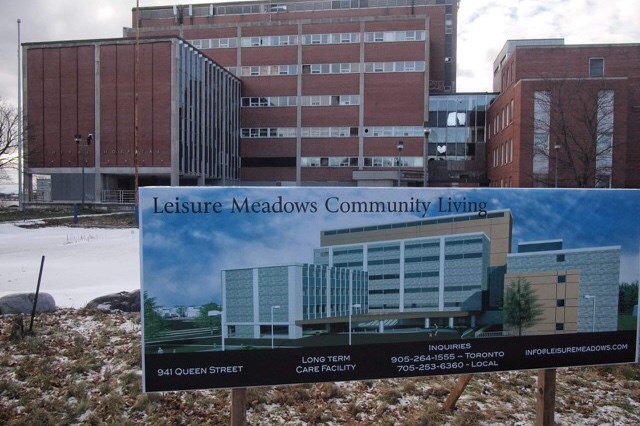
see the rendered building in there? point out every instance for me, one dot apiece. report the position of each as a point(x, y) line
point(567, 115)
point(447, 273)
point(188, 124)
point(570, 283)
point(330, 88)
point(291, 294)
point(439, 272)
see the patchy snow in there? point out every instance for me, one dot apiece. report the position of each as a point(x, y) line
point(75, 268)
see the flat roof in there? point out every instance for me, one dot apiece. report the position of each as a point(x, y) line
point(431, 221)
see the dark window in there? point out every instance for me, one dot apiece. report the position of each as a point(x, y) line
point(560, 258)
point(269, 162)
point(596, 67)
point(559, 326)
point(562, 279)
point(560, 303)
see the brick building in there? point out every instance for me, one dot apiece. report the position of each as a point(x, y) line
point(188, 121)
point(330, 88)
point(566, 115)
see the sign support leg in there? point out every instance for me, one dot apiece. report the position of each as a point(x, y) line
point(457, 390)
point(238, 407)
point(546, 397)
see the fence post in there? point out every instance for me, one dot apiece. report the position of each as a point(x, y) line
point(238, 406)
point(546, 397)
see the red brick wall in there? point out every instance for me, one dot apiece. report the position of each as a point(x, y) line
point(61, 102)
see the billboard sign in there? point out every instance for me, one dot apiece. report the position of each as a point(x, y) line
point(264, 286)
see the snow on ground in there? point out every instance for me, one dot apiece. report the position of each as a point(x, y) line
point(80, 263)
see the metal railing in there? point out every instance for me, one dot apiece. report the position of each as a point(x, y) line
point(494, 334)
point(120, 196)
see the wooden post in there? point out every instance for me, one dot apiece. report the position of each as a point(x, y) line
point(457, 390)
point(546, 397)
point(239, 407)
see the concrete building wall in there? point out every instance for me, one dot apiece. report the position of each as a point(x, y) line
point(293, 293)
point(599, 276)
point(444, 273)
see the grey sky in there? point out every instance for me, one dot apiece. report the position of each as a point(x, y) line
point(484, 26)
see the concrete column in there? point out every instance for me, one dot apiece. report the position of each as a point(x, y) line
point(361, 105)
point(256, 305)
point(299, 111)
point(451, 322)
point(380, 326)
point(441, 277)
point(427, 323)
point(175, 136)
point(96, 131)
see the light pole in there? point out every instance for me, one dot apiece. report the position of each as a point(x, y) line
point(557, 148)
point(593, 318)
point(272, 308)
point(425, 176)
point(400, 147)
point(83, 150)
point(357, 305)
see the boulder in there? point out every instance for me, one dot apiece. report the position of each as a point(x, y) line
point(124, 301)
point(22, 303)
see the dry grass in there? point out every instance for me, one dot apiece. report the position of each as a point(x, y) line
point(83, 367)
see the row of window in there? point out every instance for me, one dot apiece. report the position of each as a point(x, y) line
point(502, 154)
point(308, 6)
point(368, 162)
point(306, 39)
point(326, 132)
point(338, 68)
point(502, 119)
point(287, 101)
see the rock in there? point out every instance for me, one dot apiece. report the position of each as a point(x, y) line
point(22, 303)
point(124, 301)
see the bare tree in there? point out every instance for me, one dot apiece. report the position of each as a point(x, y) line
point(8, 139)
point(573, 133)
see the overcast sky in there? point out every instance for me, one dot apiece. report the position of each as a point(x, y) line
point(483, 28)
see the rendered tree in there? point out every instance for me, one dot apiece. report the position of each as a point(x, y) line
point(627, 297)
point(209, 321)
point(573, 124)
point(153, 321)
point(521, 307)
point(8, 139)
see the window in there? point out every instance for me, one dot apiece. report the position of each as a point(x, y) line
point(560, 303)
point(560, 258)
point(559, 326)
point(596, 67)
point(562, 279)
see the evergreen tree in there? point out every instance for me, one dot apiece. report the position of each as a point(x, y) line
point(521, 306)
